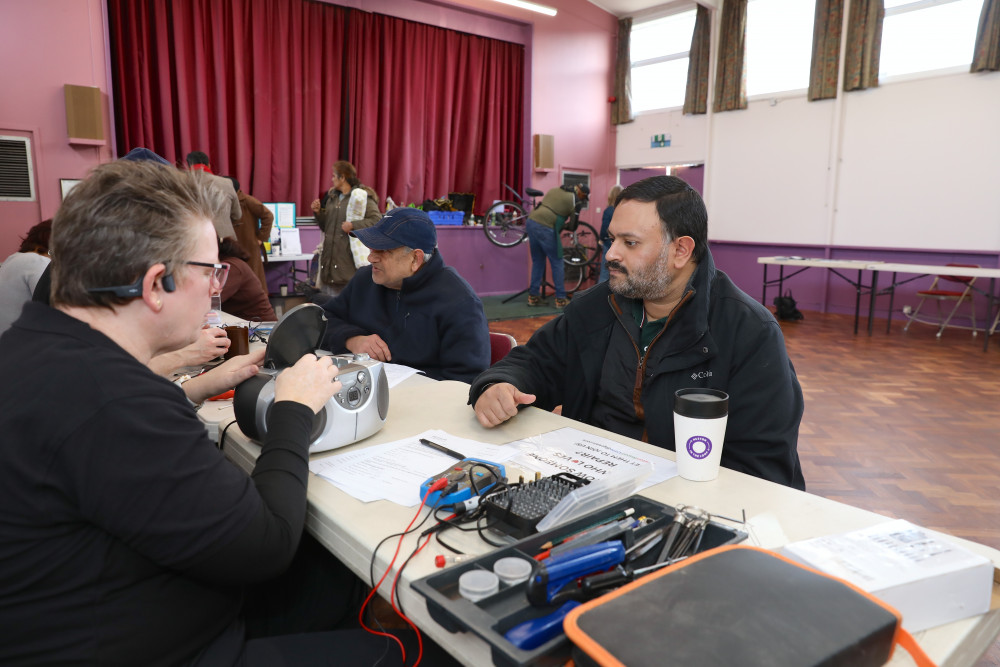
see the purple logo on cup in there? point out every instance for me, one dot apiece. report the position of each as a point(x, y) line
point(699, 446)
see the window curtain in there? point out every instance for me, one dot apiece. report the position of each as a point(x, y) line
point(986, 57)
point(621, 108)
point(826, 49)
point(730, 73)
point(864, 42)
point(276, 91)
point(696, 93)
point(432, 110)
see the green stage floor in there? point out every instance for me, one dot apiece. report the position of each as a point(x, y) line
point(516, 308)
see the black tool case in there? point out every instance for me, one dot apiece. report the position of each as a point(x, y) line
point(493, 616)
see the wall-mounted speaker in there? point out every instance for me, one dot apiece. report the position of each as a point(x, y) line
point(84, 118)
point(544, 151)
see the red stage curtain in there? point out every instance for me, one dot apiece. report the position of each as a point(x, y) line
point(275, 91)
point(452, 102)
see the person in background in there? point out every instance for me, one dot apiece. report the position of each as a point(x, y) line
point(198, 163)
point(667, 319)
point(20, 272)
point(544, 228)
point(408, 307)
point(336, 263)
point(605, 223)
point(252, 230)
point(242, 295)
point(126, 536)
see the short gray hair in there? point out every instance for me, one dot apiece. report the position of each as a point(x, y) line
point(122, 219)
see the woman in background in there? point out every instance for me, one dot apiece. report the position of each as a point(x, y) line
point(242, 295)
point(336, 263)
point(20, 272)
point(605, 223)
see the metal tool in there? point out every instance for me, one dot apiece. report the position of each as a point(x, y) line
point(684, 534)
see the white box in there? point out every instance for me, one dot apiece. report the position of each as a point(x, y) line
point(928, 579)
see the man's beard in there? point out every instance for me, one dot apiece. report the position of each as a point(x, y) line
point(650, 282)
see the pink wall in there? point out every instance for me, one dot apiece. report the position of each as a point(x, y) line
point(45, 44)
point(55, 42)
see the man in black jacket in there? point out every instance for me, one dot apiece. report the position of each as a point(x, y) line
point(667, 319)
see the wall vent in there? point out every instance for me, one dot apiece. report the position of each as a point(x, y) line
point(17, 180)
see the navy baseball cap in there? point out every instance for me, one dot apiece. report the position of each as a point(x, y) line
point(400, 227)
point(141, 154)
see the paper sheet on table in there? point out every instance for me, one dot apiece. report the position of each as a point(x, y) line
point(394, 471)
point(585, 455)
point(396, 373)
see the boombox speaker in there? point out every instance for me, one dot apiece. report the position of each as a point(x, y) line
point(357, 411)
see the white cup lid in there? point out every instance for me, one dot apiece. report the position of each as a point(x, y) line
point(512, 570)
point(477, 584)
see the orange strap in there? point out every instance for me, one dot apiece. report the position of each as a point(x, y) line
point(906, 640)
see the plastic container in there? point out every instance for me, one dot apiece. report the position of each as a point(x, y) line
point(476, 585)
point(491, 617)
point(446, 217)
point(620, 484)
point(512, 570)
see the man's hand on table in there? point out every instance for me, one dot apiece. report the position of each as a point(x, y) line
point(372, 345)
point(499, 403)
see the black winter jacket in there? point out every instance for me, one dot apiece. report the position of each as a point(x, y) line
point(588, 361)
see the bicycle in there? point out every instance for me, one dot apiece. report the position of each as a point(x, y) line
point(505, 222)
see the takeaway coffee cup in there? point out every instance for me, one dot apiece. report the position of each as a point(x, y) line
point(700, 417)
point(239, 341)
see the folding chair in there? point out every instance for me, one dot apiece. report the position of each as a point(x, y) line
point(939, 293)
point(500, 345)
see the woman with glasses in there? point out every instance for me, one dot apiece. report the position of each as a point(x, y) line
point(127, 537)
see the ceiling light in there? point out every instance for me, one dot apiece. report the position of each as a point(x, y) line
point(532, 6)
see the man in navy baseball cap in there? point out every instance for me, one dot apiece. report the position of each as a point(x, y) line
point(407, 307)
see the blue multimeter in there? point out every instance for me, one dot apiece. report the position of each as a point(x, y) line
point(485, 475)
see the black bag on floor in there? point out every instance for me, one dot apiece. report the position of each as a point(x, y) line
point(785, 308)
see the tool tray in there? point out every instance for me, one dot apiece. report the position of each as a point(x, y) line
point(494, 615)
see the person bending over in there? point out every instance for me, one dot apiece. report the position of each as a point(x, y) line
point(544, 229)
point(667, 319)
point(408, 307)
point(126, 537)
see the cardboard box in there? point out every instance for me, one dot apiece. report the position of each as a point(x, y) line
point(927, 578)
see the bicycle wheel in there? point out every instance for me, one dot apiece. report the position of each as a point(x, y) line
point(581, 255)
point(586, 243)
point(504, 224)
point(573, 274)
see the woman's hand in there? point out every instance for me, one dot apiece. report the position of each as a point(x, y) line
point(225, 376)
point(312, 381)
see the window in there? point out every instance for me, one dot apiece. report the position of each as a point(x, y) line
point(659, 54)
point(924, 35)
point(779, 45)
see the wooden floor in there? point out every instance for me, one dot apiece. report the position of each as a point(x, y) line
point(902, 424)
